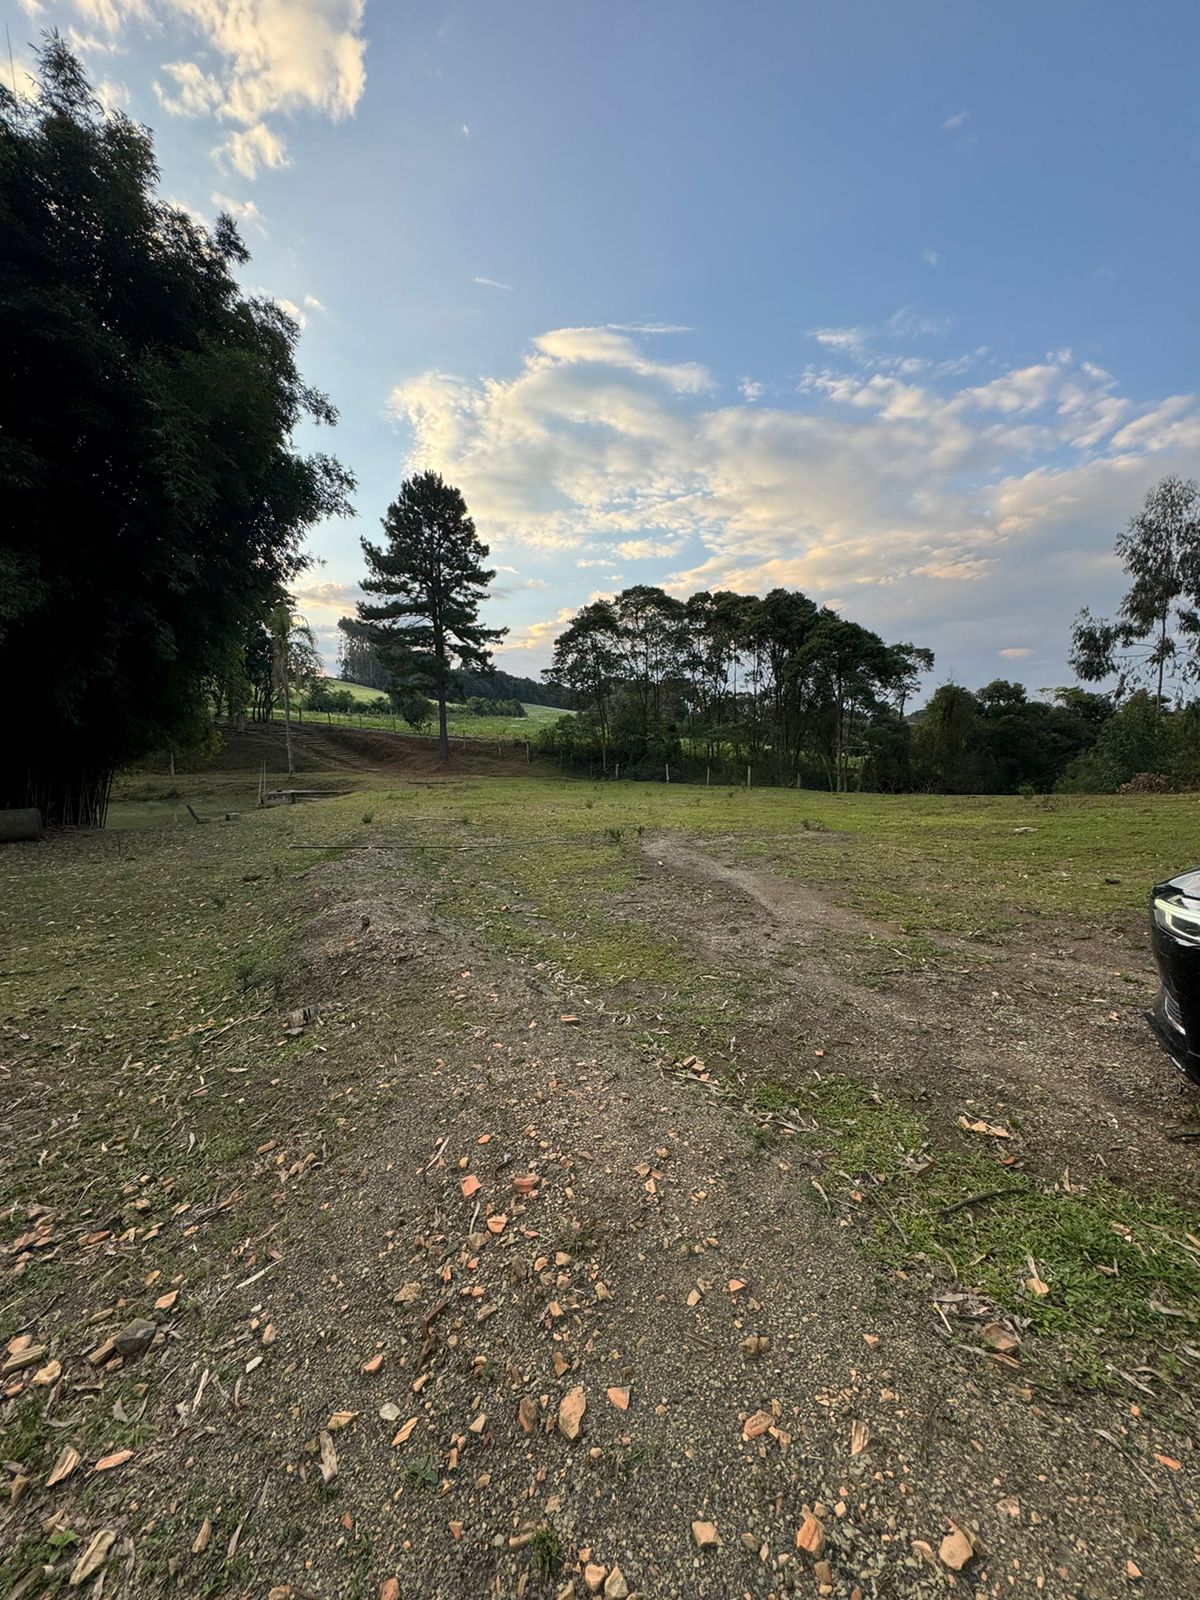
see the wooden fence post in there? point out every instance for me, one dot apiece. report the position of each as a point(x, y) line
point(747, 777)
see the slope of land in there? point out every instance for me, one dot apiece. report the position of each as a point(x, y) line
point(532, 1188)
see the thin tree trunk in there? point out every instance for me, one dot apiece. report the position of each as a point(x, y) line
point(443, 736)
point(1162, 661)
point(287, 718)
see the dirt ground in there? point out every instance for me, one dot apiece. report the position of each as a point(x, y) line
point(1028, 1027)
point(495, 1306)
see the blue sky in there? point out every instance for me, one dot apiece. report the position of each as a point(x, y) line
point(895, 303)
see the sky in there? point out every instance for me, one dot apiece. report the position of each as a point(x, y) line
point(895, 303)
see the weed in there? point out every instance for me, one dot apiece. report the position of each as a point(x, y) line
point(421, 1474)
point(368, 817)
point(546, 1550)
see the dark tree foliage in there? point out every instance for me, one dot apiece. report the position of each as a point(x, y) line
point(1156, 632)
point(431, 575)
point(777, 681)
point(151, 505)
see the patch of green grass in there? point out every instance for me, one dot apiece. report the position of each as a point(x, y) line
point(21, 1436)
point(546, 1550)
point(1104, 1255)
point(770, 1095)
point(36, 1551)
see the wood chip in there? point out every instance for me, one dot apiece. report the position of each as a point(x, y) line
point(497, 1223)
point(404, 1434)
point(1000, 1338)
point(45, 1376)
point(860, 1437)
point(200, 1542)
point(166, 1302)
point(810, 1536)
point(470, 1186)
point(373, 1365)
point(328, 1461)
point(570, 1412)
point(118, 1458)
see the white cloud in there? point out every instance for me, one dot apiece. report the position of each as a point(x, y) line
point(242, 210)
point(196, 93)
point(491, 283)
point(293, 311)
point(251, 148)
point(269, 57)
point(644, 549)
point(111, 95)
point(751, 390)
point(955, 121)
point(925, 499)
point(930, 257)
point(465, 130)
point(313, 304)
point(1015, 652)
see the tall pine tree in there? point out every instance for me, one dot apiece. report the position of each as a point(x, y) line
point(431, 578)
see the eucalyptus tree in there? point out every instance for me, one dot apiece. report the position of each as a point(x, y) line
point(1156, 631)
point(152, 502)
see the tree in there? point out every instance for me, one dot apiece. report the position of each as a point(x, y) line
point(1158, 620)
point(295, 660)
point(587, 660)
point(432, 577)
point(151, 502)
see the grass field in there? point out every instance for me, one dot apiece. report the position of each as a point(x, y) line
point(459, 720)
point(846, 979)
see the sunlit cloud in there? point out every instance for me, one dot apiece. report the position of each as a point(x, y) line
point(914, 489)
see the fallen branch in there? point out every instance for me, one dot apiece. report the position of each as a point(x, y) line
point(977, 1200)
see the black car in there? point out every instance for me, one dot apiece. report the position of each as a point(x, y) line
point(1175, 940)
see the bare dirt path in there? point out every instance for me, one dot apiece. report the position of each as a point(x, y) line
point(1042, 1029)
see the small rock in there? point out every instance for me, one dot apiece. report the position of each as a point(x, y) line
point(755, 1345)
point(570, 1412)
point(615, 1587)
point(135, 1337)
point(619, 1398)
point(527, 1412)
point(705, 1534)
point(956, 1549)
point(594, 1576)
point(754, 1427)
point(389, 1411)
point(810, 1536)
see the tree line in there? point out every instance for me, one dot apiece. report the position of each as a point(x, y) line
point(154, 510)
